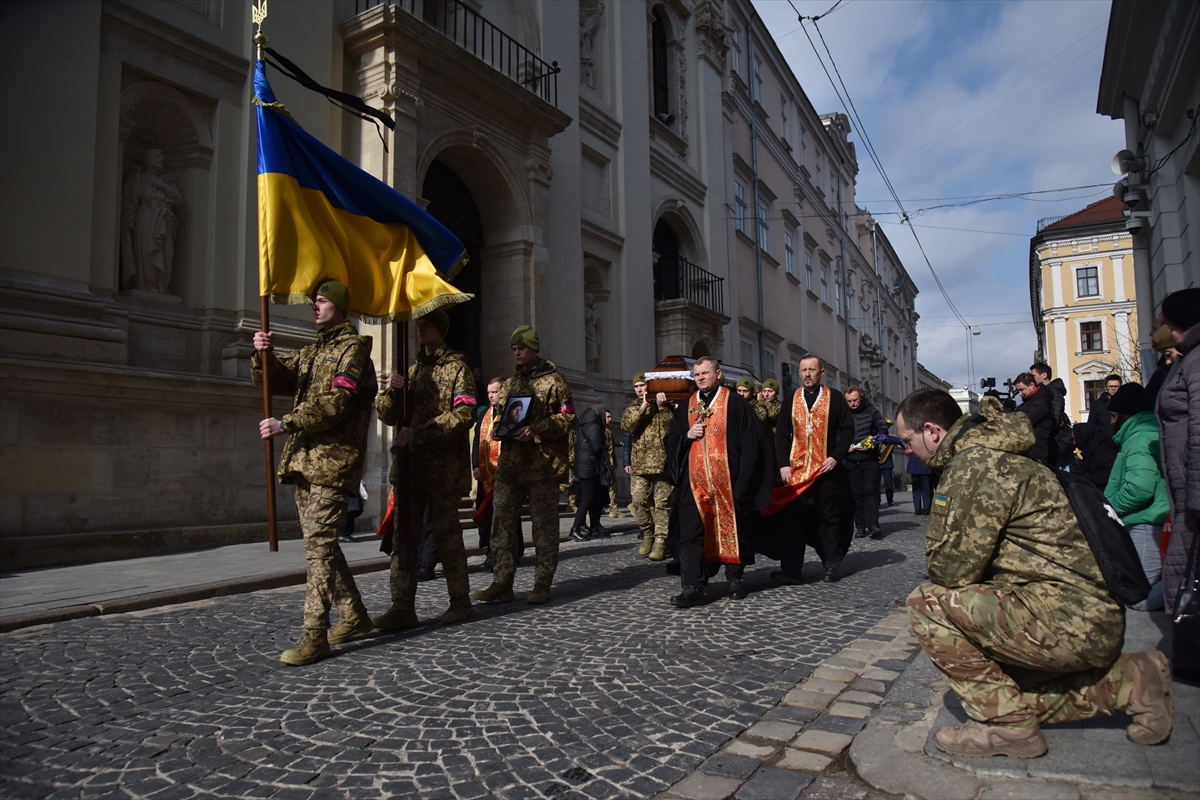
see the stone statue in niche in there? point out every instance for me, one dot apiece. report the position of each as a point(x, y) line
point(148, 226)
point(590, 14)
point(591, 330)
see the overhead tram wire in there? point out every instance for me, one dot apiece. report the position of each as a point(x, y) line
point(848, 106)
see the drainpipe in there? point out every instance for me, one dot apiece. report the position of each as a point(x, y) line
point(845, 269)
point(1141, 254)
point(762, 355)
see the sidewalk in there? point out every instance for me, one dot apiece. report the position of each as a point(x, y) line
point(54, 594)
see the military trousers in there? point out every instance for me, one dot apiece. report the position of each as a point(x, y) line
point(447, 535)
point(511, 493)
point(1006, 666)
point(651, 503)
point(322, 512)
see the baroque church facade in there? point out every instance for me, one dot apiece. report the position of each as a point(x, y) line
point(587, 153)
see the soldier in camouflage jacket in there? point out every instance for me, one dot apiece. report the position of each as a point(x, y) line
point(442, 401)
point(532, 465)
point(333, 383)
point(647, 421)
point(1017, 616)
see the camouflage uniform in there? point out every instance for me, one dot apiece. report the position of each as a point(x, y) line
point(768, 412)
point(652, 494)
point(611, 447)
point(533, 470)
point(1017, 617)
point(333, 383)
point(442, 401)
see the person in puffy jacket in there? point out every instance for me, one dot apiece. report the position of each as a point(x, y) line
point(591, 449)
point(1037, 403)
point(1097, 451)
point(1136, 488)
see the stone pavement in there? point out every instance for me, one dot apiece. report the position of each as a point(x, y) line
point(813, 691)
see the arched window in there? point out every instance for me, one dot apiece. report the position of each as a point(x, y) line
point(658, 46)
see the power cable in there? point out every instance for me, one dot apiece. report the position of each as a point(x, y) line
point(896, 60)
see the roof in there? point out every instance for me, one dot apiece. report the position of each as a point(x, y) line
point(1110, 209)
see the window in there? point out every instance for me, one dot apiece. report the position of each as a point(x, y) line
point(735, 53)
point(837, 291)
point(768, 363)
point(1090, 339)
point(758, 80)
point(764, 228)
point(825, 285)
point(1092, 390)
point(740, 208)
point(658, 44)
point(820, 158)
point(789, 254)
point(804, 149)
point(1087, 282)
point(783, 119)
point(808, 270)
point(747, 354)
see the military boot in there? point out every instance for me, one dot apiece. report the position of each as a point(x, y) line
point(312, 647)
point(976, 740)
point(396, 617)
point(460, 608)
point(647, 544)
point(496, 593)
point(539, 595)
point(660, 548)
point(352, 626)
point(1150, 704)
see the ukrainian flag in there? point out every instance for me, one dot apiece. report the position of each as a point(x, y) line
point(321, 217)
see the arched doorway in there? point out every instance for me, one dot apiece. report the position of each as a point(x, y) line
point(451, 204)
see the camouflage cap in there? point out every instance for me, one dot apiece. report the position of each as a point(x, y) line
point(439, 319)
point(336, 293)
point(639, 378)
point(527, 336)
point(747, 382)
point(771, 384)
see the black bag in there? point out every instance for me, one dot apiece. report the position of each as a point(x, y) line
point(603, 470)
point(1109, 540)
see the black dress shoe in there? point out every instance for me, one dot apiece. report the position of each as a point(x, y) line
point(672, 567)
point(488, 563)
point(580, 534)
point(689, 597)
point(860, 534)
point(785, 578)
point(425, 572)
point(598, 532)
point(876, 532)
point(831, 575)
point(737, 590)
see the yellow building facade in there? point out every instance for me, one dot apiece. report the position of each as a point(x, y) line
point(1084, 301)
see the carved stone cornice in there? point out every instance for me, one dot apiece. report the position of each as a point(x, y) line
point(712, 34)
point(678, 176)
point(598, 121)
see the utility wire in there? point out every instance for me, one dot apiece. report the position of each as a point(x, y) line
point(896, 60)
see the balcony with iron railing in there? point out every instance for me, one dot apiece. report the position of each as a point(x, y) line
point(465, 27)
point(679, 279)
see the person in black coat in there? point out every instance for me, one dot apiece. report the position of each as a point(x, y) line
point(590, 450)
point(1037, 404)
point(1097, 451)
point(1098, 412)
point(862, 465)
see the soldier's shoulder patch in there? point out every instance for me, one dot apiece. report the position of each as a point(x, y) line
point(354, 370)
point(941, 500)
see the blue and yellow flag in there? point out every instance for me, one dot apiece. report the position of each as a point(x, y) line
point(321, 217)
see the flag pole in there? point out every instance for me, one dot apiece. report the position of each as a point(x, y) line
point(258, 14)
point(405, 540)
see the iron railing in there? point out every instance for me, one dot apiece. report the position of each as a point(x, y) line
point(1046, 222)
point(470, 31)
point(678, 278)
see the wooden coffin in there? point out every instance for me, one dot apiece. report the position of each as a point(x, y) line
point(673, 377)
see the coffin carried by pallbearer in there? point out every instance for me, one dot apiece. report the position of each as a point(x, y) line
point(673, 377)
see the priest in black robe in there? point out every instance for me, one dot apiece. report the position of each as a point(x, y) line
point(824, 513)
point(747, 453)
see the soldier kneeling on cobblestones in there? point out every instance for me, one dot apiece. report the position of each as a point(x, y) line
point(533, 464)
point(1017, 616)
point(334, 385)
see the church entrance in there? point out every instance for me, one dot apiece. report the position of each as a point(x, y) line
point(451, 204)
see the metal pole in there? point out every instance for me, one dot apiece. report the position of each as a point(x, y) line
point(762, 355)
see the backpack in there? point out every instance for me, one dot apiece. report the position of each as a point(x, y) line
point(1108, 539)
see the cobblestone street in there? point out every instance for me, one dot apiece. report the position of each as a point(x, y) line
point(606, 691)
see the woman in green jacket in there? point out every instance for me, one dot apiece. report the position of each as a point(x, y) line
point(1136, 488)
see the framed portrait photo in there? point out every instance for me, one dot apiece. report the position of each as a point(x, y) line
point(513, 418)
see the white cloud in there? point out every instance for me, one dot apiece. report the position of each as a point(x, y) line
point(1043, 132)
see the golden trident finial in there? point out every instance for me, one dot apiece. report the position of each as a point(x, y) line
point(258, 13)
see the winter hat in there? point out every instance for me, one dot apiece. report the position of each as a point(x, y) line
point(1130, 399)
point(527, 336)
point(639, 378)
point(772, 384)
point(1182, 308)
point(747, 382)
point(439, 319)
point(336, 293)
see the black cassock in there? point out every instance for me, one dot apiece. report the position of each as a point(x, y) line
point(823, 516)
point(750, 464)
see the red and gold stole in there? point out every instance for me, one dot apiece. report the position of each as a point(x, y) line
point(712, 486)
point(489, 453)
point(810, 440)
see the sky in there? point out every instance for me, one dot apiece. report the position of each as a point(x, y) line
point(963, 99)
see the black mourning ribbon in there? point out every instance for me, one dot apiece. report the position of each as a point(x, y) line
point(351, 104)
